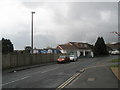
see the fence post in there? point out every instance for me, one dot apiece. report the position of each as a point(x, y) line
point(17, 60)
point(9, 56)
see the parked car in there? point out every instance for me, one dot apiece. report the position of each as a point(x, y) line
point(115, 52)
point(63, 59)
point(73, 58)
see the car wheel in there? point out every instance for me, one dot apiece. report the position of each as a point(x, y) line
point(73, 60)
point(69, 61)
point(76, 59)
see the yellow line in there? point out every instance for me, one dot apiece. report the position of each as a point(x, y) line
point(74, 76)
point(68, 81)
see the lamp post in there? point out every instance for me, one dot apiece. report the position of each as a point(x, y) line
point(32, 32)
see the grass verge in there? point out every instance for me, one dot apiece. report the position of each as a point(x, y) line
point(116, 60)
point(115, 65)
point(116, 71)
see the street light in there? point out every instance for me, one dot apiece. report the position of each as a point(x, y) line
point(32, 32)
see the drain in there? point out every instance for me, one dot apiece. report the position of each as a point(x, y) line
point(91, 79)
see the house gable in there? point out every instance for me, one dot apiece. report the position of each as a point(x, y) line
point(80, 45)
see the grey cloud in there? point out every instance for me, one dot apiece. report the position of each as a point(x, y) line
point(82, 22)
point(33, 5)
point(88, 13)
point(40, 41)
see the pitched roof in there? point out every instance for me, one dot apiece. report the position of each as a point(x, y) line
point(74, 46)
point(114, 46)
point(80, 45)
point(66, 47)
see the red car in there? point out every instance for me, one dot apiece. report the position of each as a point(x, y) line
point(63, 59)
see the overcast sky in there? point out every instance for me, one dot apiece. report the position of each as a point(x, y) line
point(57, 22)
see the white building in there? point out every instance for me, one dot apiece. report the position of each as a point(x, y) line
point(78, 48)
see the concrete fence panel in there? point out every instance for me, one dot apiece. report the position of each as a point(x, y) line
point(18, 60)
point(27, 59)
point(44, 58)
point(21, 60)
point(5, 61)
point(13, 61)
point(33, 59)
point(48, 57)
point(39, 58)
point(51, 58)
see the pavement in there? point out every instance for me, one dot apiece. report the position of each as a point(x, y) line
point(100, 77)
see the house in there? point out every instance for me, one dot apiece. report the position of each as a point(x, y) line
point(111, 47)
point(114, 46)
point(78, 48)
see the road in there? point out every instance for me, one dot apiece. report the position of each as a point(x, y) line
point(49, 76)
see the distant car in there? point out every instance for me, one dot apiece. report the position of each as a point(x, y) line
point(63, 59)
point(115, 52)
point(73, 58)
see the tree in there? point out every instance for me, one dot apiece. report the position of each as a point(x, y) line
point(28, 49)
point(7, 46)
point(100, 47)
point(48, 47)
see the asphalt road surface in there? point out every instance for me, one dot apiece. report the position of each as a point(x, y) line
point(52, 76)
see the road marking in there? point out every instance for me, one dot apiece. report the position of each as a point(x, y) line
point(27, 76)
point(68, 81)
point(49, 70)
point(76, 79)
point(15, 80)
point(91, 79)
point(75, 76)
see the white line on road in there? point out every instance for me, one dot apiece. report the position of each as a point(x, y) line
point(27, 76)
point(49, 70)
point(15, 80)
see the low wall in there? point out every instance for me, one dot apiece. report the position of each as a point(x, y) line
point(19, 60)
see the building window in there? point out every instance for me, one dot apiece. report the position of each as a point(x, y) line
point(81, 45)
point(85, 45)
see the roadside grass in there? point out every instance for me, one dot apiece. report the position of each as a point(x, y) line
point(115, 68)
point(115, 65)
point(116, 60)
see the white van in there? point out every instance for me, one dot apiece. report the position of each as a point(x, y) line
point(115, 52)
point(73, 58)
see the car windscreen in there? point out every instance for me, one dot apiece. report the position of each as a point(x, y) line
point(62, 57)
point(71, 55)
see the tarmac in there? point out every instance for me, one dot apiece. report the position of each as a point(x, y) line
point(25, 67)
